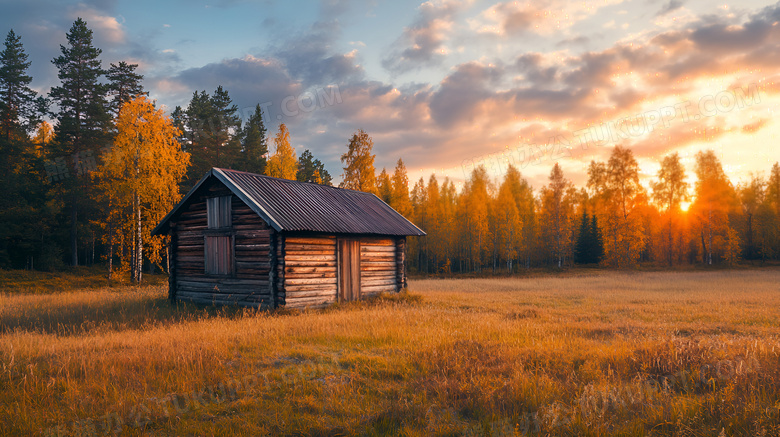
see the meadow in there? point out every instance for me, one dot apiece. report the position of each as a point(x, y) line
point(585, 353)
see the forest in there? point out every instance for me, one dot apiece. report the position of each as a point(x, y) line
point(90, 168)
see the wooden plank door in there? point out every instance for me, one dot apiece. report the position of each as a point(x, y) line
point(349, 269)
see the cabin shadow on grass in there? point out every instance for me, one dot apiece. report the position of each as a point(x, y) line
point(102, 310)
point(137, 308)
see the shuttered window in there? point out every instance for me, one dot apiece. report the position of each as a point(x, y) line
point(218, 209)
point(219, 245)
point(219, 255)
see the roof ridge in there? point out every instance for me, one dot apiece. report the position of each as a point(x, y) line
point(292, 181)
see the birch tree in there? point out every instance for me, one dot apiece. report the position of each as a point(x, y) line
point(140, 176)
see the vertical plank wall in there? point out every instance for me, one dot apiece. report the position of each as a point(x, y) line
point(310, 278)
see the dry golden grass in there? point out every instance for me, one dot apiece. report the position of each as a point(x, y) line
point(33, 281)
point(601, 353)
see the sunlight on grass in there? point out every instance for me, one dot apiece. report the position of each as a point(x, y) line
point(597, 354)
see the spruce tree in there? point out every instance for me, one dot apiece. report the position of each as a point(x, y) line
point(583, 248)
point(24, 218)
point(212, 136)
point(310, 169)
point(597, 245)
point(254, 144)
point(124, 84)
point(17, 100)
point(83, 123)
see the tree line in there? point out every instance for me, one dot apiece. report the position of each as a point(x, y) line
point(90, 188)
point(613, 221)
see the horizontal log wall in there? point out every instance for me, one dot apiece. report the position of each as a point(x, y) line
point(250, 284)
point(308, 269)
point(378, 266)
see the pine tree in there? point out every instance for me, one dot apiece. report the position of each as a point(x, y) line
point(124, 84)
point(18, 113)
point(359, 172)
point(283, 164)
point(24, 215)
point(212, 134)
point(83, 122)
point(254, 144)
point(311, 169)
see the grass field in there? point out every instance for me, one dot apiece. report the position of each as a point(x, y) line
point(594, 353)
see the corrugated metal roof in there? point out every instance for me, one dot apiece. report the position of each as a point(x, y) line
point(300, 206)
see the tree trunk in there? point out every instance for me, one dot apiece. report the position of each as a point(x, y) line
point(110, 260)
point(709, 249)
point(703, 248)
point(74, 252)
point(139, 249)
point(671, 240)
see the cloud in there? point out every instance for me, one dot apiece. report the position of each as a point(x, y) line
point(105, 26)
point(250, 80)
point(42, 25)
point(423, 43)
point(310, 56)
point(509, 19)
point(670, 6)
point(577, 40)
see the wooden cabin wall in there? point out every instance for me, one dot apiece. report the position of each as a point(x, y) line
point(251, 283)
point(378, 266)
point(309, 271)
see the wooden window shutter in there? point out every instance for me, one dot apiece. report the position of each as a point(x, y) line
point(219, 255)
point(218, 212)
point(219, 245)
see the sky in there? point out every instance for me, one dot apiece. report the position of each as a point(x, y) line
point(448, 85)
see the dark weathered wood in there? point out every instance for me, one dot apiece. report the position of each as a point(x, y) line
point(172, 272)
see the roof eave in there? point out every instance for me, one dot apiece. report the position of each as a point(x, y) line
point(162, 227)
point(238, 191)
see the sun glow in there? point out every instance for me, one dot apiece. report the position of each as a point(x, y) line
point(684, 206)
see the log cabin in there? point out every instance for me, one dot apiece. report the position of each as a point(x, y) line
point(244, 239)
